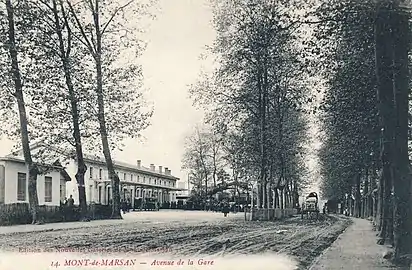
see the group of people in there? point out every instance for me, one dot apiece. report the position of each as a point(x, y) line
point(68, 202)
point(67, 207)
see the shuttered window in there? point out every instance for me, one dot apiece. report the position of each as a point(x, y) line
point(21, 186)
point(48, 189)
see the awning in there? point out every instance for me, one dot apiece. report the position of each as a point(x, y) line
point(140, 184)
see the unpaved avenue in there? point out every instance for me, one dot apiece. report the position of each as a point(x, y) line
point(187, 234)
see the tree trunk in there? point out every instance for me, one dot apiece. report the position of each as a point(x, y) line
point(282, 206)
point(402, 179)
point(18, 94)
point(380, 202)
point(295, 195)
point(358, 205)
point(101, 117)
point(383, 57)
point(65, 58)
point(366, 195)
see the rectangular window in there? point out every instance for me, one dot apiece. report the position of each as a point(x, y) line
point(48, 189)
point(91, 172)
point(100, 173)
point(100, 194)
point(62, 192)
point(155, 182)
point(124, 176)
point(131, 177)
point(21, 186)
point(90, 193)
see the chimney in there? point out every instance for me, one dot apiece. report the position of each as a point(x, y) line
point(160, 169)
point(139, 163)
point(169, 172)
point(152, 167)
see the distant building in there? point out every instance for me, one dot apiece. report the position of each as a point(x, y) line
point(136, 181)
point(183, 193)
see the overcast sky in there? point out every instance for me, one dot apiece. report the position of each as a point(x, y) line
point(176, 39)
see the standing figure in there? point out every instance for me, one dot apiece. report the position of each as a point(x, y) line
point(70, 210)
point(64, 208)
point(123, 206)
point(70, 201)
point(128, 205)
point(225, 209)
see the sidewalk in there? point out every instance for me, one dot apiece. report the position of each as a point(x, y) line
point(64, 225)
point(354, 249)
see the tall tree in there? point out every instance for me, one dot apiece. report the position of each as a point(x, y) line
point(392, 48)
point(101, 38)
point(18, 93)
point(257, 87)
point(64, 47)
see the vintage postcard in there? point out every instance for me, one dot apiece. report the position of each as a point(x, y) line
point(205, 134)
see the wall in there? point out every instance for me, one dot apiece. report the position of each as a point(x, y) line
point(11, 170)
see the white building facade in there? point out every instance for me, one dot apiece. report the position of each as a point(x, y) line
point(136, 181)
point(14, 179)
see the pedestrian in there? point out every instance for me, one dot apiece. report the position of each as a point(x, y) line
point(123, 206)
point(70, 204)
point(64, 208)
point(127, 205)
point(225, 209)
point(70, 201)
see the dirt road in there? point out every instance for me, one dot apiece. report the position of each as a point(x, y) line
point(186, 234)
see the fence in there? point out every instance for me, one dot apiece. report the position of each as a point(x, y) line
point(264, 214)
point(19, 213)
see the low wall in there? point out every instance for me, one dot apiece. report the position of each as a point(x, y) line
point(265, 214)
point(18, 213)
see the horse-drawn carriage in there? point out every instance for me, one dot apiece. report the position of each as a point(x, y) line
point(310, 207)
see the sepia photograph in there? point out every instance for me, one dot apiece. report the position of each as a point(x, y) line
point(206, 134)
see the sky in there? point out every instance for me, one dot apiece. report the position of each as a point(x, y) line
point(175, 40)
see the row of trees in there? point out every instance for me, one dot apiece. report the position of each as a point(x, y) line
point(365, 114)
point(255, 102)
point(68, 76)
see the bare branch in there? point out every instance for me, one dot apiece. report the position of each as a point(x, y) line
point(85, 40)
point(113, 15)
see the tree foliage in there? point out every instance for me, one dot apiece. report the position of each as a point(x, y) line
point(256, 95)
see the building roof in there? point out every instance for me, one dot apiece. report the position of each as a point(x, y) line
point(56, 165)
point(96, 160)
point(128, 166)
